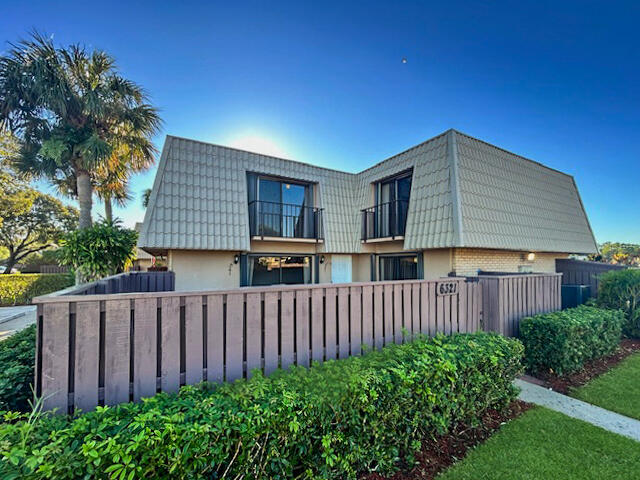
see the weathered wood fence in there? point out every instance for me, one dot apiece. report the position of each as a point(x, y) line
point(581, 272)
point(107, 349)
point(506, 299)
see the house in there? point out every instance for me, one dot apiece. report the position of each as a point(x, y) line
point(453, 205)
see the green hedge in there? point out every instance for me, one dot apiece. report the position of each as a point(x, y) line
point(19, 289)
point(563, 341)
point(17, 358)
point(330, 421)
point(621, 289)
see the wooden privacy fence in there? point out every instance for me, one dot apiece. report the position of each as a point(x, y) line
point(108, 349)
point(506, 299)
point(581, 272)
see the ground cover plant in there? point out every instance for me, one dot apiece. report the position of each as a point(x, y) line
point(19, 289)
point(561, 342)
point(617, 390)
point(543, 444)
point(17, 354)
point(330, 421)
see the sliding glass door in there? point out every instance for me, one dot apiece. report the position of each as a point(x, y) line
point(274, 270)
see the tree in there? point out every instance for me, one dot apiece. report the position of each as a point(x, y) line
point(619, 253)
point(100, 250)
point(146, 196)
point(71, 110)
point(32, 222)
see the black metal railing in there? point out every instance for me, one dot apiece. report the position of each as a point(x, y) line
point(386, 220)
point(285, 220)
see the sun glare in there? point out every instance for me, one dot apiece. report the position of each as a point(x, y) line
point(258, 144)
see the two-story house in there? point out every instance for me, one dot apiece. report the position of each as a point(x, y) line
point(453, 205)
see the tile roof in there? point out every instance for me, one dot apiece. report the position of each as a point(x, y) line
point(464, 192)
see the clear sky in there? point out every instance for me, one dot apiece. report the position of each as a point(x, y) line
point(324, 83)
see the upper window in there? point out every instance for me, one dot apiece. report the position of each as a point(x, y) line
point(388, 217)
point(282, 208)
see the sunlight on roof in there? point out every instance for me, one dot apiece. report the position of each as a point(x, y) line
point(258, 144)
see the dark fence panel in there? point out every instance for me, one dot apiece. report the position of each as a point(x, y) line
point(580, 272)
point(130, 282)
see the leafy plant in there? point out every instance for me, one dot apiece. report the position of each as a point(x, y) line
point(332, 420)
point(19, 289)
point(563, 341)
point(17, 355)
point(621, 289)
point(98, 251)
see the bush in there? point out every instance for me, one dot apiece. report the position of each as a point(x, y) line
point(19, 289)
point(330, 421)
point(563, 341)
point(103, 249)
point(621, 289)
point(17, 357)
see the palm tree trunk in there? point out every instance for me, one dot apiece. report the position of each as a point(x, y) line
point(85, 199)
point(108, 209)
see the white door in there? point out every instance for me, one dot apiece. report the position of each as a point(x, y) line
point(341, 268)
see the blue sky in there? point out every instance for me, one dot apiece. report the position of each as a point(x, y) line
point(322, 82)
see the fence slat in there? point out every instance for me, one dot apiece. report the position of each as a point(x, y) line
point(55, 356)
point(331, 320)
point(117, 351)
point(407, 315)
point(378, 316)
point(235, 337)
point(367, 316)
point(388, 314)
point(317, 325)
point(355, 321)
point(271, 333)
point(302, 327)
point(415, 309)
point(286, 329)
point(433, 308)
point(254, 332)
point(144, 348)
point(170, 343)
point(343, 322)
point(397, 313)
point(87, 353)
point(193, 339)
point(215, 338)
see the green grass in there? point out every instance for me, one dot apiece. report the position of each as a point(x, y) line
point(617, 390)
point(544, 444)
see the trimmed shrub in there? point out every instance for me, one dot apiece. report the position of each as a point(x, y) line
point(17, 358)
point(330, 421)
point(563, 341)
point(621, 289)
point(19, 289)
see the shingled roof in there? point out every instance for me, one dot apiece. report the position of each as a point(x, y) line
point(465, 193)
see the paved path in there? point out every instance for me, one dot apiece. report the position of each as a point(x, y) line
point(14, 319)
point(614, 422)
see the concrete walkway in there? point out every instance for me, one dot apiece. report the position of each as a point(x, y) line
point(611, 421)
point(14, 319)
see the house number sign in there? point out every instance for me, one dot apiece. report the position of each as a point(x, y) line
point(446, 288)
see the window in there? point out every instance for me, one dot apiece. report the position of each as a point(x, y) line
point(274, 270)
point(398, 267)
point(388, 217)
point(281, 208)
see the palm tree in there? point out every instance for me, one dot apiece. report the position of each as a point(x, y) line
point(72, 110)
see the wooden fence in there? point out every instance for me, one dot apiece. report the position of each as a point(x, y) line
point(107, 349)
point(580, 272)
point(509, 298)
point(129, 282)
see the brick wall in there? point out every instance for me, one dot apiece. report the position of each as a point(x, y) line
point(467, 261)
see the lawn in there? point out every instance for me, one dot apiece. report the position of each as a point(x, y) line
point(546, 444)
point(617, 390)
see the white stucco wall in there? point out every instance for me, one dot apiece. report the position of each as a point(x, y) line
point(204, 270)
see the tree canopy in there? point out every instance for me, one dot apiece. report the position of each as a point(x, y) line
point(72, 110)
point(619, 253)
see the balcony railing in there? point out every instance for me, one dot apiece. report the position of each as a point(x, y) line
point(386, 220)
point(284, 220)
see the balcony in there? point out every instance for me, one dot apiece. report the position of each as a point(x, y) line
point(386, 221)
point(276, 221)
